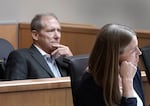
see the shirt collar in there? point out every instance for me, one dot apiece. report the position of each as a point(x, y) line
point(41, 51)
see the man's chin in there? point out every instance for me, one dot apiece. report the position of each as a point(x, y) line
point(54, 48)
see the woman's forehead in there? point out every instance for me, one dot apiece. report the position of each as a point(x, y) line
point(132, 44)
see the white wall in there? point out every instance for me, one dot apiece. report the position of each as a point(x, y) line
point(134, 13)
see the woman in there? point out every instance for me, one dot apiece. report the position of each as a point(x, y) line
point(112, 77)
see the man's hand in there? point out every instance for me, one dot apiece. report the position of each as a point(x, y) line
point(61, 50)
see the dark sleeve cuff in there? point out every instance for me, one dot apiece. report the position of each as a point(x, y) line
point(132, 101)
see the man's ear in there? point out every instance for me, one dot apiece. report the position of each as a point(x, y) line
point(35, 34)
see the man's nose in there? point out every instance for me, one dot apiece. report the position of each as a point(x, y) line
point(57, 34)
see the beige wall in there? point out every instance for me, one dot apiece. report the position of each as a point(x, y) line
point(134, 13)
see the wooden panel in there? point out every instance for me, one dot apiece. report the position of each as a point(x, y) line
point(143, 37)
point(143, 40)
point(80, 38)
point(10, 33)
point(24, 36)
point(37, 92)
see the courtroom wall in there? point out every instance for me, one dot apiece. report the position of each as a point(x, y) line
point(134, 13)
point(10, 33)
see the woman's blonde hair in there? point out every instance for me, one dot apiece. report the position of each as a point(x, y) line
point(104, 59)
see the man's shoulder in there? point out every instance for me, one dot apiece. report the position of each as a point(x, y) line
point(24, 50)
point(19, 52)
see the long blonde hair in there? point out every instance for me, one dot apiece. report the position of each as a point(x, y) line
point(104, 59)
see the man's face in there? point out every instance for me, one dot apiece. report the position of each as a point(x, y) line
point(49, 35)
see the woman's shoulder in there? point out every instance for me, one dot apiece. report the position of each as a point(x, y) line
point(89, 93)
point(88, 82)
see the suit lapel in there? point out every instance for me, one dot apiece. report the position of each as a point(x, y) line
point(40, 59)
point(137, 85)
point(61, 65)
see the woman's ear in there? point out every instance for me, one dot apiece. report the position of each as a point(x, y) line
point(35, 34)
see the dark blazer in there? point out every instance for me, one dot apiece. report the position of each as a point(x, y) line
point(90, 94)
point(28, 63)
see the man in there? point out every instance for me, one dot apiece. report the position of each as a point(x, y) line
point(44, 58)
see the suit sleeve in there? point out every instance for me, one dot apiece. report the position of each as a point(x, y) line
point(137, 83)
point(138, 86)
point(128, 101)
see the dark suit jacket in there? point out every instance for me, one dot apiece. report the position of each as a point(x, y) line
point(30, 64)
point(90, 94)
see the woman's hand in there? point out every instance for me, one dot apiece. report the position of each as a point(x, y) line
point(127, 70)
point(127, 73)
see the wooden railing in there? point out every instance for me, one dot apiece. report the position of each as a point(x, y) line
point(45, 92)
point(37, 92)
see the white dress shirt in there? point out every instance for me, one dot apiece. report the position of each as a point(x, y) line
point(50, 61)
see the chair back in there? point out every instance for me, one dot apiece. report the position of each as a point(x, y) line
point(76, 66)
point(5, 49)
point(146, 60)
